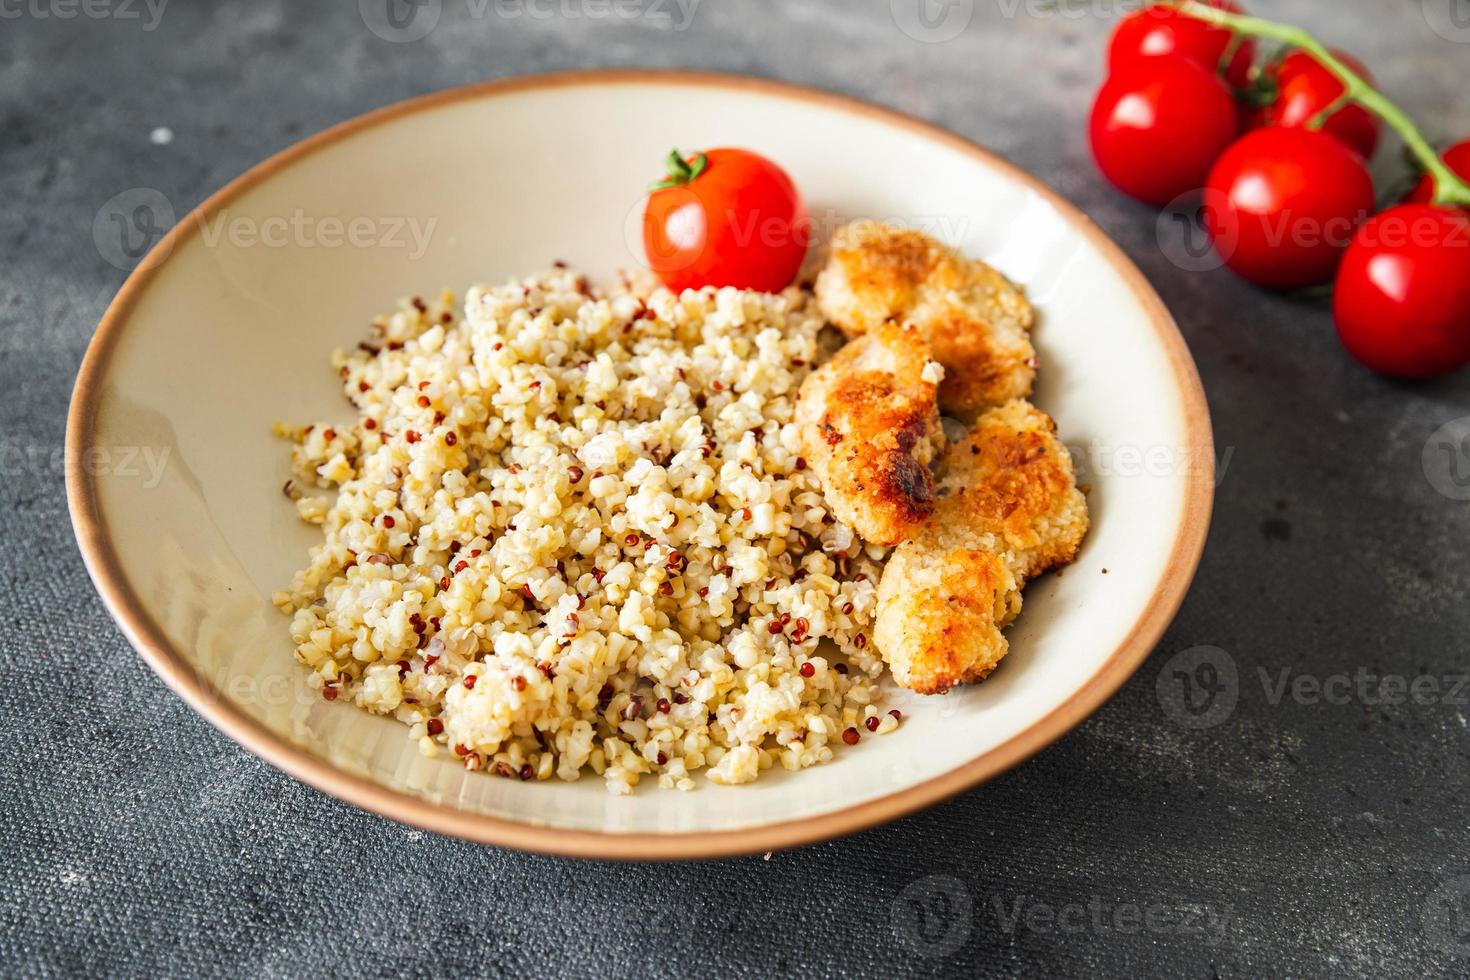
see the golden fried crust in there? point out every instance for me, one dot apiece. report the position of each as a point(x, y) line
point(1011, 482)
point(869, 427)
point(1008, 509)
point(975, 320)
point(940, 614)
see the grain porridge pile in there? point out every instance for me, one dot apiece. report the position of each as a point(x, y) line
point(573, 531)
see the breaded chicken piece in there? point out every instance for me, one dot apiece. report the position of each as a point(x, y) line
point(870, 427)
point(1009, 509)
point(975, 320)
point(940, 614)
point(1011, 483)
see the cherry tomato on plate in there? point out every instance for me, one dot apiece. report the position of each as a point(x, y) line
point(1402, 302)
point(1158, 124)
point(1458, 159)
point(1281, 205)
point(1159, 30)
point(726, 217)
point(1305, 88)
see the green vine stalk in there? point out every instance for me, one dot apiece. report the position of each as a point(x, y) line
point(1449, 187)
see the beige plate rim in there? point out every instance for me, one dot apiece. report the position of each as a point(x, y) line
point(122, 600)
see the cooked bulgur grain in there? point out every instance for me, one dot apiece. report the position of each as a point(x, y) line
point(574, 531)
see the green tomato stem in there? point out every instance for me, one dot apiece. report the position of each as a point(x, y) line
point(1449, 188)
point(1231, 50)
point(1320, 119)
point(679, 170)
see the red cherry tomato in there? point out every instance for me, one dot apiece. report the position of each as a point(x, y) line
point(1402, 302)
point(726, 218)
point(1160, 30)
point(1282, 204)
point(1305, 88)
point(1458, 159)
point(1158, 124)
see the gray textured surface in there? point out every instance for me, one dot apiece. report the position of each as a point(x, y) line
point(136, 840)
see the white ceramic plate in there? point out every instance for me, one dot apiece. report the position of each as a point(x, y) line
point(227, 327)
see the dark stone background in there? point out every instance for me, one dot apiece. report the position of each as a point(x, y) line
point(1330, 838)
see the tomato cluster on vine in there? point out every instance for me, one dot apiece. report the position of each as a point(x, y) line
point(1275, 156)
